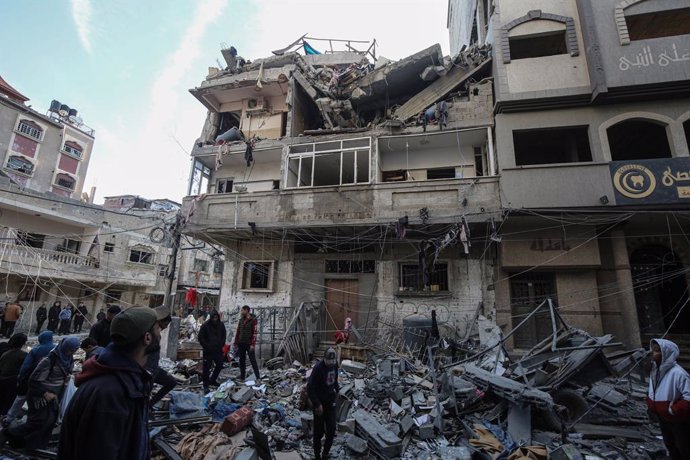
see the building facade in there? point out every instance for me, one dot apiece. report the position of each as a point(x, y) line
point(592, 129)
point(331, 199)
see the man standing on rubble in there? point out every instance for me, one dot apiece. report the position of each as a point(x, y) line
point(107, 416)
point(669, 398)
point(323, 388)
point(212, 338)
point(245, 341)
point(159, 375)
point(101, 330)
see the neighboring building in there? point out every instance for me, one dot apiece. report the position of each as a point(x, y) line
point(343, 203)
point(44, 153)
point(592, 132)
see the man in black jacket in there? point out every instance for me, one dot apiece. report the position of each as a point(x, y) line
point(106, 418)
point(323, 388)
point(212, 339)
point(54, 316)
point(41, 316)
point(101, 330)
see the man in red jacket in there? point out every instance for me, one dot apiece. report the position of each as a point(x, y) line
point(669, 398)
point(245, 341)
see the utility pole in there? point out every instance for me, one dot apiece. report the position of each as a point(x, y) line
point(174, 327)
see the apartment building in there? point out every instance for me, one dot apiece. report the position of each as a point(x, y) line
point(326, 188)
point(592, 131)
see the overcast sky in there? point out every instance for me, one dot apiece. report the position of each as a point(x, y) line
point(127, 66)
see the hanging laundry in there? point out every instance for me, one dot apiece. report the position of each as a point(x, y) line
point(308, 49)
point(249, 152)
point(191, 297)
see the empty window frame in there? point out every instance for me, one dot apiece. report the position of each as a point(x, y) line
point(32, 240)
point(20, 164)
point(257, 275)
point(71, 246)
point(343, 162)
point(411, 278)
point(638, 140)
point(140, 256)
point(200, 265)
point(552, 145)
point(480, 162)
point(440, 173)
point(162, 270)
point(30, 294)
point(538, 45)
point(112, 296)
point(224, 186)
point(30, 129)
point(657, 24)
point(109, 247)
point(527, 291)
point(686, 128)
point(73, 149)
point(350, 266)
point(65, 181)
point(218, 266)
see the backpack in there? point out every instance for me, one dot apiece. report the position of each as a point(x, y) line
point(23, 383)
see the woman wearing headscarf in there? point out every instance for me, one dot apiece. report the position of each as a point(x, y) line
point(46, 385)
point(10, 363)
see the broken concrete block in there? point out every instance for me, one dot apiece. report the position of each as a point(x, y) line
point(385, 368)
point(455, 453)
point(247, 454)
point(566, 452)
point(353, 367)
point(348, 426)
point(242, 395)
point(359, 384)
point(406, 424)
point(307, 420)
point(426, 431)
point(396, 394)
point(382, 441)
point(356, 444)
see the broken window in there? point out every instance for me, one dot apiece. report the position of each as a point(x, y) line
point(393, 176)
point(257, 275)
point(200, 178)
point(200, 265)
point(350, 266)
point(112, 296)
point(65, 181)
point(538, 45)
point(343, 162)
point(552, 145)
point(32, 240)
point(638, 140)
point(30, 129)
point(657, 24)
point(162, 270)
point(109, 247)
point(140, 256)
point(527, 291)
point(73, 149)
point(479, 162)
point(411, 278)
point(224, 186)
point(20, 165)
point(440, 173)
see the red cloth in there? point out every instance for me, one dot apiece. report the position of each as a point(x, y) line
point(191, 296)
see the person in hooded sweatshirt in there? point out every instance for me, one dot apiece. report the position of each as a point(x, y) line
point(10, 363)
point(107, 416)
point(37, 353)
point(212, 339)
point(54, 316)
point(46, 386)
point(669, 398)
point(323, 388)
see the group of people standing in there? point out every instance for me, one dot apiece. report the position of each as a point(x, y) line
point(61, 320)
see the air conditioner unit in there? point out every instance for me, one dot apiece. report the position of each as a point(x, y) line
point(256, 104)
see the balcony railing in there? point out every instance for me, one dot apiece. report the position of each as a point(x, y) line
point(47, 255)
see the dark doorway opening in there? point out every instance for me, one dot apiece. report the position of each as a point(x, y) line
point(527, 292)
point(638, 140)
point(686, 127)
point(661, 290)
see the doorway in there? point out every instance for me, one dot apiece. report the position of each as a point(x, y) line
point(661, 290)
point(527, 292)
point(342, 297)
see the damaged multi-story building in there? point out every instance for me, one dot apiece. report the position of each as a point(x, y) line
point(349, 184)
point(592, 130)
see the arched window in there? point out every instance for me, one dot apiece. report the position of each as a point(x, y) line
point(65, 180)
point(548, 42)
point(20, 165)
point(638, 139)
point(73, 148)
point(30, 129)
point(643, 20)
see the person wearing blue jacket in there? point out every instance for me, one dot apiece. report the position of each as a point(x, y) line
point(37, 353)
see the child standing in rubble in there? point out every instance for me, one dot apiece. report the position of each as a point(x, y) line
point(669, 397)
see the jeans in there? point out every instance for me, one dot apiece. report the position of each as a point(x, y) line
point(677, 439)
point(244, 349)
point(324, 424)
point(212, 359)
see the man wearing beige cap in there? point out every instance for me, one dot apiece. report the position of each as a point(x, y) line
point(106, 419)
